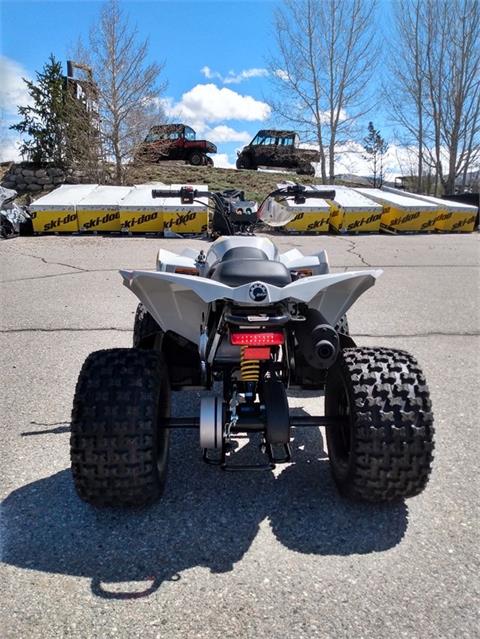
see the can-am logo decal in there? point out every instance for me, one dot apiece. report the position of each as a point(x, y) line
point(257, 292)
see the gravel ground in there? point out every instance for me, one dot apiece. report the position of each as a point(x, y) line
point(233, 554)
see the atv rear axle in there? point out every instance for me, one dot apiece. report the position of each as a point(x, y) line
point(307, 421)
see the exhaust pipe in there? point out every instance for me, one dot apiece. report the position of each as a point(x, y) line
point(318, 341)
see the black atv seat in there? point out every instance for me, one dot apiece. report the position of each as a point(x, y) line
point(235, 272)
point(244, 253)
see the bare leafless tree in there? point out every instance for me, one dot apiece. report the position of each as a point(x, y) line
point(435, 85)
point(405, 89)
point(128, 87)
point(321, 68)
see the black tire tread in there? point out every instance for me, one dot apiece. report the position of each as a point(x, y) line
point(145, 328)
point(114, 427)
point(392, 446)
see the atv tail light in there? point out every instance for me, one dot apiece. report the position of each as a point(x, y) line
point(186, 270)
point(256, 339)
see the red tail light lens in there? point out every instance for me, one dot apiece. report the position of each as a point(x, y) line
point(256, 339)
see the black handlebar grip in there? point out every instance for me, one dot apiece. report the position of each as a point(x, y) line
point(325, 195)
point(164, 193)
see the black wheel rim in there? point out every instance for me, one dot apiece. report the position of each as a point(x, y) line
point(163, 434)
point(341, 434)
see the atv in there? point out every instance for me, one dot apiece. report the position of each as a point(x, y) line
point(175, 142)
point(250, 324)
point(280, 149)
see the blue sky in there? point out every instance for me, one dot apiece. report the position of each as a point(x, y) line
point(215, 56)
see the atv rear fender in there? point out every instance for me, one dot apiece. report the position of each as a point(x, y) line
point(179, 303)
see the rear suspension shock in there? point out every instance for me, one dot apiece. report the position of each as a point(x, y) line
point(249, 368)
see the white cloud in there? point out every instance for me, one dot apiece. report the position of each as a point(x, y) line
point(13, 93)
point(399, 160)
point(9, 150)
point(282, 74)
point(207, 103)
point(209, 74)
point(13, 90)
point(223, 133)
point(234, 77)
point(246, 74)
point(222, 161)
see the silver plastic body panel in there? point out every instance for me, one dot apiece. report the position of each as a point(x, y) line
point(179, 303)
point(293, 259)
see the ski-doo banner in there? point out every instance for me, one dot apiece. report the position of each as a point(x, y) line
point(56, 212)
point(139, 212)
point(352, 212)
point(99, 210)
point(402, 213)
point(451, 216)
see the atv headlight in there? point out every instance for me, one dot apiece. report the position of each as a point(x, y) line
point(276, 212)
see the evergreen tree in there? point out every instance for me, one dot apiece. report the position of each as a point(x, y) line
point(376, 148)
point(44, 123)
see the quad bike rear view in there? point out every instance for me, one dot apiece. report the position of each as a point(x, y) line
point(254, 323)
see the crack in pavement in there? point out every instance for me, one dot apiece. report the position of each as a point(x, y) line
point(352, 250)
point(45, 261)
point(79, 272)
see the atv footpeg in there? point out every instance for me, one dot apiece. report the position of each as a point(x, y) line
point(222, 458)
point(269, 449)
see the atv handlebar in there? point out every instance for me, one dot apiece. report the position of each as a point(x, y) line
point(300, 194)
point(188, 194)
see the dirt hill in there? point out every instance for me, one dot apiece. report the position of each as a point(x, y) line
point(256, 184)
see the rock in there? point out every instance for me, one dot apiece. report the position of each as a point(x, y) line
point(58, 180)
point(28, 172)
point(34, 187)
point(9, 185)
point(45, 180)
point(54, 172)
point(20, 186)
point(41, 173)
point(18, 170)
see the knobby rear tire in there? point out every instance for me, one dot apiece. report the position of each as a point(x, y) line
point(385, 450)
point(145, 328)
point(118, 448)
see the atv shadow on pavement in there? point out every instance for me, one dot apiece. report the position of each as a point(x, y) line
point(206, 518)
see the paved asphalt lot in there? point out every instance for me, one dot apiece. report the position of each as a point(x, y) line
point(235, 555)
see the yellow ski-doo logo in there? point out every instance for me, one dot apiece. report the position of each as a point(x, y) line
point(181, 220)
point(464, 222)
point(404, 219)
point(96, 221)
point(363, 221)
point(317, 224)
point(60, 221)
point(143, 219)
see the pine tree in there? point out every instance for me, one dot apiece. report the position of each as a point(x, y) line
point(44, 123)
point(376, 148)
